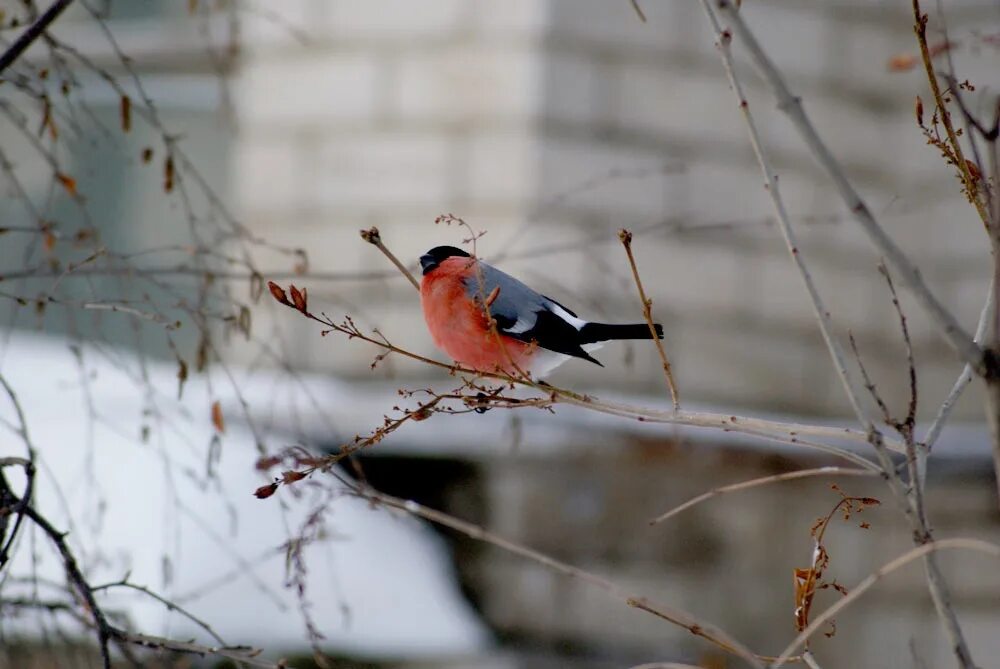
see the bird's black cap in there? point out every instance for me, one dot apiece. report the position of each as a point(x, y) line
point(433, 258)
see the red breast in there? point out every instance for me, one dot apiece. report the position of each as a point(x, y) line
point(458, 324)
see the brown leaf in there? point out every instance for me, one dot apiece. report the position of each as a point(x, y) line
point(182, 376)
point(420, 414)
point(126, 113)
point(265, 462)
point(68, 182)
point(48, 239)
point(168, 174)
point(265, 491)
point(217, 419)
point(919, 109)
point(147, 154)
point(298, 298)
point(256, 285)
point(291, 476)
point(935, 50)
point(974, 170)
point(902, 62)
point(278, 293)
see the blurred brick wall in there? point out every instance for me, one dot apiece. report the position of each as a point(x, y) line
point(558, 122)
point(553, 122)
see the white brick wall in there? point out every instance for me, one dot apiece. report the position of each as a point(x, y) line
point(323, 89)
point(544, 122)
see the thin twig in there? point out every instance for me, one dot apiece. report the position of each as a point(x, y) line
point(638, 10)
point(764, 480)
point(171, 606)
point(244, 654)
point(647, 311)
point(29, 36)
point(873, 578)
point(373, 237)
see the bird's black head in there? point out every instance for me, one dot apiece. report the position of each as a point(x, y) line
point(433, 258)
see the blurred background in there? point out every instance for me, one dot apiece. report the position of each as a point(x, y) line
point(548, 125)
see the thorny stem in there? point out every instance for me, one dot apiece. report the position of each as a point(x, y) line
point(647, 311)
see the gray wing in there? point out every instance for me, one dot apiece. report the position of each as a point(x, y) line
point(523, 314)
point(516, 306)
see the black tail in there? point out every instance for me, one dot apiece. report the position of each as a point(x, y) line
point(594, 332)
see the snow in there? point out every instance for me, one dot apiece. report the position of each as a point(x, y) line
point(378, 583)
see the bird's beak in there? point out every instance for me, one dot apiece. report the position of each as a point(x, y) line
point(427, 262)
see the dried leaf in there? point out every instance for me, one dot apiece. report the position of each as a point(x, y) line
point(256, 286)
point(265, 491)
point(902, 62)
point(243, 321)
point(217, 420)
point(278, 293)
point(48, 239)
point(68, 182)
point(292, 476)
point(935, 50)
point(126, 113)
point(299, 298)
point(168, 174)
point(266, 462)
point(974, 171)
point(302, 266)
point(147, 154)
point(919, 109)
point(182, 376)
point(201, 356)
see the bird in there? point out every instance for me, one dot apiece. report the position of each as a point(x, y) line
point(534, 333)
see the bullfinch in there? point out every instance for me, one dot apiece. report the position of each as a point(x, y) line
point(534, 333)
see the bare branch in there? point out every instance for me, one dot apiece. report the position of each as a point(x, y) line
point(647, 311)
point(373, 237)
point(29, 36)
point(764, 480)
point(964, 378)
